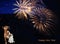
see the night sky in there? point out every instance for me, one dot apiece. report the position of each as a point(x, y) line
point(23, 30)
point(6, 6)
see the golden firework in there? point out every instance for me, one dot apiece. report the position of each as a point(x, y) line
point(44, 20)
point(24, 7)
point(41, 17)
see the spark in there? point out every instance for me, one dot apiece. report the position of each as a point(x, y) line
point(24, 7)
point(40, 16)
point(43, 20)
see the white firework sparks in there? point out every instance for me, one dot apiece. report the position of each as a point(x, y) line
point(40, 16)
point(24, 7)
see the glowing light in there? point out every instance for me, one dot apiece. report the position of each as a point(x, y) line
point(40, 16)
point(43, 20)
point(24, 7)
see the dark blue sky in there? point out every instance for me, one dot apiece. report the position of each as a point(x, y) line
point(6, 6)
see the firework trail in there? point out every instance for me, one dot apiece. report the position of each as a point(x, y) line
point(41, 17)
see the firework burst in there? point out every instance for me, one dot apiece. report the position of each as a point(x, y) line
point(24, 7)
point(41, 17)
point(44, 20)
